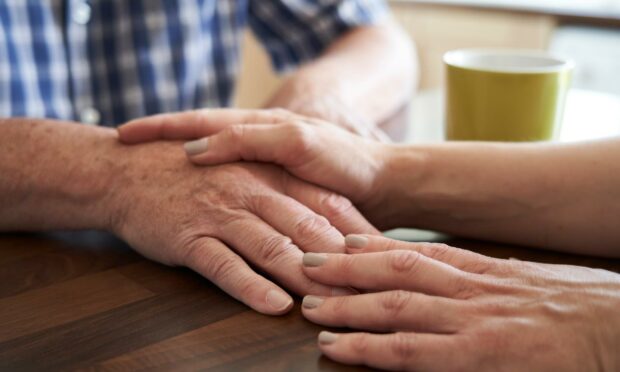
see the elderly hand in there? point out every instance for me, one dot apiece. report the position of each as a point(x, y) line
point(328, 108)
point(311, 149)
point(439, 308)
point(219, 220)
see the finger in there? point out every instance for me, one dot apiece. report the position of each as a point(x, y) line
point(216, 262)
point(380, 135)
point(395, 351)
point(387, 311)
point(194, 124)
point(407, 270)
point(170, 126)
point(460, 258)
point(338, 210)
point(360, 130)
point(280, 144)
point(308, 230)
point(273, 253)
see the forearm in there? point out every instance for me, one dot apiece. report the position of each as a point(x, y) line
point(558, 196)
point(55, 175)
point(370, 70)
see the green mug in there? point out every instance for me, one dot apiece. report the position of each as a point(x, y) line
point(505, 95)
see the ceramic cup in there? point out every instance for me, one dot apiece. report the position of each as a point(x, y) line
point(505, 95)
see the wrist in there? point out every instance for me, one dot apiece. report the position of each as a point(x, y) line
point(58, 175)
point(404, 169)
point(99, 182)
point(136, 168)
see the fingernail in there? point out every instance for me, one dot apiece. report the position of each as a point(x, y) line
point(340, 291)
point(311, 302)
point(326, 338)
point(355, 241)
point(278, 300)
point(314, 259)
point(196, 147)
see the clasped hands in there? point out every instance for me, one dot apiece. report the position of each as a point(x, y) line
point(443, 308)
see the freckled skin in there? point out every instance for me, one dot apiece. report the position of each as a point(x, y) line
point(439, 307)
point(77, 177)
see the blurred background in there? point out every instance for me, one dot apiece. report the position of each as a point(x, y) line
point(587, 31)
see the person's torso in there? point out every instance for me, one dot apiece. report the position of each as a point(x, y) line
point(109, 61)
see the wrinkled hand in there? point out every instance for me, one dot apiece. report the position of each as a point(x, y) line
point(309, 148)
point(219, 220)
point(329, 106)
point(337, 113)
point(453, 309)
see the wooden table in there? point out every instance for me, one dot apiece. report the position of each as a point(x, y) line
point(86, 301)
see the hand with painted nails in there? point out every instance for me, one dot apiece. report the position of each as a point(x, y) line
point(312, 149)
point(220, 220)
point(521, 193)
point(432, 307)
point(451, 309)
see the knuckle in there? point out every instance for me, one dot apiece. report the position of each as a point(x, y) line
point(504, 268)
point(274, 249)
point(202, 116)
point(394, 303)
point(335, 206)
point(402, 346)
point(221, 269)
point(359, 343)
point(191, 255)
point(494, 309)
point(465, 287)
point(218, 266)
point(480, 267)
point(301, 136)
point(223, 217)
point(438, 251)
point(390, 245)
point(261, 201)
point(339, 306)
point(247, 286)
point(345, 264)
point(280, 113)
point(311, 226)
point(235, 133)
point(446, 253)
point(257, 116)
point(401, 261)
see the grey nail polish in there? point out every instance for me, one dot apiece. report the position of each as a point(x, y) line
point(355, 241)
point(314, 259)
point(196, 147)
point(326, 338)
point(312, 302)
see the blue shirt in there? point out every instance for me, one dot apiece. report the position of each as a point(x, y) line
point(109, 61)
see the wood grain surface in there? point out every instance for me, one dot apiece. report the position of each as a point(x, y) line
point(85, 301)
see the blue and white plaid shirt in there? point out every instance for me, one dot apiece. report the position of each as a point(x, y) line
point(110, 61)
